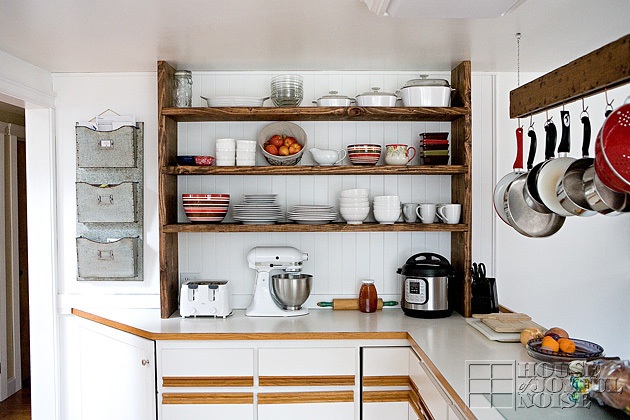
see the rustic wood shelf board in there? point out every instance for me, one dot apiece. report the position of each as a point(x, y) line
point(316, 113)
point(317, 170)
point(330, 227)
point(604, 68)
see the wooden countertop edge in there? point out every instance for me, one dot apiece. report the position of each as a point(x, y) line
point(342, 335)
point(388, 335)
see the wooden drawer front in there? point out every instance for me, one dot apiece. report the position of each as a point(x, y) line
point(337, 405)
point(203, 365)
point(115, 203)
point(210, 411)
point(385, 362)
point(107, 260)
point(302, 362)
point(423, 387)
point(106, 149)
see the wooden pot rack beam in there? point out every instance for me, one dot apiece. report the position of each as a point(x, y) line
point(604, 68)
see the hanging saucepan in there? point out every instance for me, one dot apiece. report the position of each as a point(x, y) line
point(550, 173)
point(502, 185)
point(522, 217)
point(570, 188)
point(612, 150)
point(530, 191)
point(601, 198)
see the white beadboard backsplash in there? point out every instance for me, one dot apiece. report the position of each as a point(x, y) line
point(337, 261)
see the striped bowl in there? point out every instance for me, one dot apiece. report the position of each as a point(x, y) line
point(206, 208)
point(364, 154)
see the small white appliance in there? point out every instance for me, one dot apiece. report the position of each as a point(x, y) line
point(205, 298)
point(265, 259)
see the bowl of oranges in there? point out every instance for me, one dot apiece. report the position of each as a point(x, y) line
point(282, 143)
point(556, 346)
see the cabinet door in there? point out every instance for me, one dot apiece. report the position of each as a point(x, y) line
point(117, 374)
point(386, 410)
point(333, 405)
point(422, 384)
point(208, 410)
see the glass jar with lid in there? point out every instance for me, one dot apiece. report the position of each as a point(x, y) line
point(182, 88)
point(368, 299)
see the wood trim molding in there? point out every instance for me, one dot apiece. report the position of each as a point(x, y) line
point(417, 402)
point(305, 397)
point(385, 396)
point(207, 381)
point(396, 380)
point(208, 398)
point(604, 68)
point(340, 380)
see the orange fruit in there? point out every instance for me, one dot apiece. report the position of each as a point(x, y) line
point(566, 345)
point(551, 343)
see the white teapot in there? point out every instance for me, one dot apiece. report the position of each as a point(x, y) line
point(327, 157)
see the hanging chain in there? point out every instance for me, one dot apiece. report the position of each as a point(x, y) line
point(518, 58)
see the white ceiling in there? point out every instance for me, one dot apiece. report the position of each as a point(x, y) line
point(131, 35)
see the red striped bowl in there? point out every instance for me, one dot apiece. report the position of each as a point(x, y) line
point(364, 154)
point(206, 208)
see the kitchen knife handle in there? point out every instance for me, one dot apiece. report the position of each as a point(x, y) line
point(565, 140)
point(518, 163)
point(533, 145)
point(586, 142)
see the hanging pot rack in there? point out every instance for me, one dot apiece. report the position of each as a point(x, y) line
point(602, 69)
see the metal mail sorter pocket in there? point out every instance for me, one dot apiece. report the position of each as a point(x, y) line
point(103, 260)
point(107, 203)
point(106, 149)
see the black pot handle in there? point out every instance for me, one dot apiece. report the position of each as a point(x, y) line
point(533, 145)
point(565, 140)
point(423, 255)
point(551, 135)
point(586, 142)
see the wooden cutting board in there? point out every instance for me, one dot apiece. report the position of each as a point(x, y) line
point(493, 335)
point(503, 316)
point(510, 325)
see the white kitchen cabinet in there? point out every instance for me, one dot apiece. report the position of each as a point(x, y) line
point(307, 411)
point(308, 361)
point(117, 374)
point(208, 411)
point(429, 392)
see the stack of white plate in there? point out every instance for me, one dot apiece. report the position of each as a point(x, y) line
point(386, 209)
point(258, 209)
point(354, 205)
point(305, 214)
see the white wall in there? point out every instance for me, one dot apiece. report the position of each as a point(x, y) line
point(578, 279)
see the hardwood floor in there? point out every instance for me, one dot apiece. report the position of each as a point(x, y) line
point(17, 406)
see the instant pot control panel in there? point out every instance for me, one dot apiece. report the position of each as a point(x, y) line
point(416, 290)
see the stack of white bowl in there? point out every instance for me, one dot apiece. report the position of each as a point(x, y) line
point(354, 205)
point(386, 209)
point(225, 152)
point(245, 153)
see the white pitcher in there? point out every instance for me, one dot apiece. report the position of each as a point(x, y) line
point(328, 157)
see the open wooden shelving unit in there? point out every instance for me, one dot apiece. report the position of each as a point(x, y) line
point(461, 174)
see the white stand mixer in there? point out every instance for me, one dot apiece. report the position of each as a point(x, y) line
point(264, 259)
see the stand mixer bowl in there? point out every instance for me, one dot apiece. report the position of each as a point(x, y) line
point(290, 290)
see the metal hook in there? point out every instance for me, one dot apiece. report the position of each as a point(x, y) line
point(548, 121)
point(584, 110)
point(531, 121)
point(608, 104)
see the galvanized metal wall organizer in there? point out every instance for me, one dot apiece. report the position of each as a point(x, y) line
point(110, 221)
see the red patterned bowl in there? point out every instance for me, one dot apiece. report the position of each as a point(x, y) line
point(204, 160)
point(206, 208)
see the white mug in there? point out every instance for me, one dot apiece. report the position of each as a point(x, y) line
point(409, 212)
point(450, 213)
point(426, 212)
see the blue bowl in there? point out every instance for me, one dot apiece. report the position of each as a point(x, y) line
point(186, 160)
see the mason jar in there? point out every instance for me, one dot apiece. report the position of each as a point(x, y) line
point(182, 88)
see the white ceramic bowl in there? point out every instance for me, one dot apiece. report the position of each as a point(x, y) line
point(357, 192)
point(354, 200)
point(386, 217)
point(355, 208)
point(387, 198)
point(354, 217)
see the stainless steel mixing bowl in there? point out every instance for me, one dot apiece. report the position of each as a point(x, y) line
point(290, 290)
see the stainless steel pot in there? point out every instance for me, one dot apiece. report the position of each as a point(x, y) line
point(601, 198)
point(376, 98)
point(425, 92)
point(425, 286)
point(333, 99)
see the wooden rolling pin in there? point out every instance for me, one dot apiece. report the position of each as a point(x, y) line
point(352, 304)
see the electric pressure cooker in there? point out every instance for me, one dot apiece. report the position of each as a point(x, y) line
point(425, 286)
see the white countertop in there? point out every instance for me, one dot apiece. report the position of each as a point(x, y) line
point(448, 342)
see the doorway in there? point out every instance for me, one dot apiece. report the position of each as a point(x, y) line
point(14, 319)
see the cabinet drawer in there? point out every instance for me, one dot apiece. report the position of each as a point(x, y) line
point(210, 411)
point(107, 259)
point(110, 203)
point(338, 405)
point(386, 410)
point(386, 366)
point(422, 385)
point(308, 362)
point(206, 367)
point(106, 149)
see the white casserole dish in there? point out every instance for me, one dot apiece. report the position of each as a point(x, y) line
point(333, 99)
point(376, 98)
point(425, 92)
